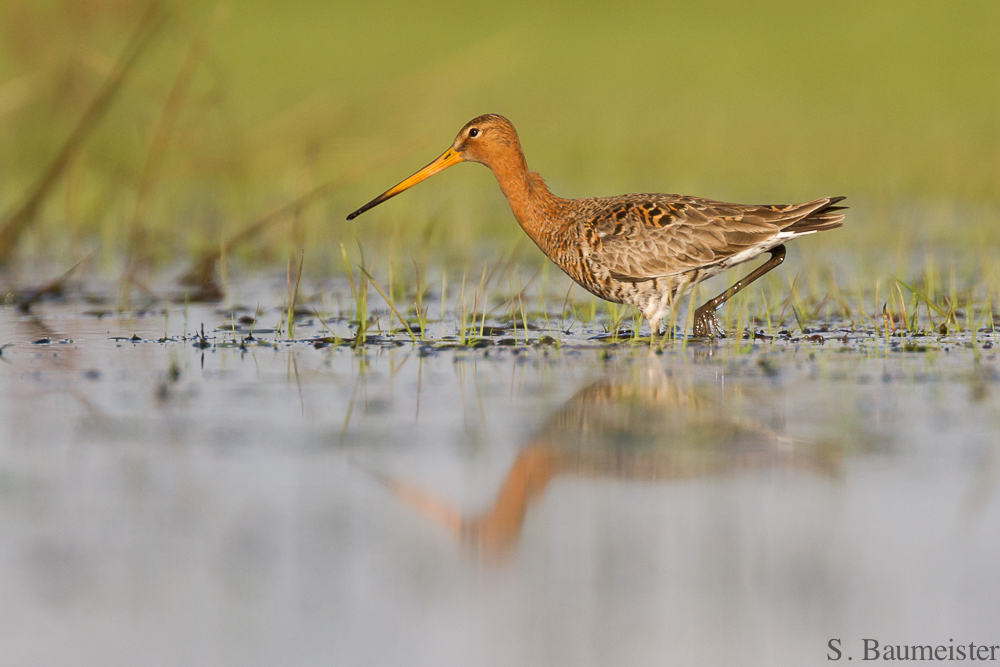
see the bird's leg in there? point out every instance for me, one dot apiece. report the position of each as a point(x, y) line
point(706, 325)
point(654, 327)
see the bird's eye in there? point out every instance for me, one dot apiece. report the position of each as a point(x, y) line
point(473, 133)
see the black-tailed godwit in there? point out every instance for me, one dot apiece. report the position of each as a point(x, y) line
point(645, 250)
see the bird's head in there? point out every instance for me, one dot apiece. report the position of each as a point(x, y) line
point(487, 139)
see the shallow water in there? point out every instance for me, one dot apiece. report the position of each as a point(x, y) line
point(200, 502)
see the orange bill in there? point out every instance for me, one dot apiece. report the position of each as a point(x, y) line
point(448, 158)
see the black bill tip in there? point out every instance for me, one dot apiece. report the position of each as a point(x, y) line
point(372, 204)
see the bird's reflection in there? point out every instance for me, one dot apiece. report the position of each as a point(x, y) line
point(643, 425)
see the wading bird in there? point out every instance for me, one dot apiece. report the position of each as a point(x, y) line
point(645, 250)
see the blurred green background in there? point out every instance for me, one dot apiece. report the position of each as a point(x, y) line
point(895, 104)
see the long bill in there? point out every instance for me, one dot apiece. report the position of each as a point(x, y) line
point(447, 159)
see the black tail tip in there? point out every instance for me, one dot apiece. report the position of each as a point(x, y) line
point(352, 216)
point(831, 205)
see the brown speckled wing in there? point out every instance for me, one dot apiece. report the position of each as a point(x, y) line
point(639, 237)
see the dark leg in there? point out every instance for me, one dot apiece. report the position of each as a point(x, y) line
point(705, 323)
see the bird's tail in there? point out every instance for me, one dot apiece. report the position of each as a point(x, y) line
point(825, 216)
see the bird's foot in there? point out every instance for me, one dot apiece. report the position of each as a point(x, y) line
point(706, 324)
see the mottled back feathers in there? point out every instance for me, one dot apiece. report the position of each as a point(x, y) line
point(645, 236)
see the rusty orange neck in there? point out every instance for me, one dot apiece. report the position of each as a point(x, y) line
point(538, 211)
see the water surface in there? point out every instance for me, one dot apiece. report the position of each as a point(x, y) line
point(167, 499)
